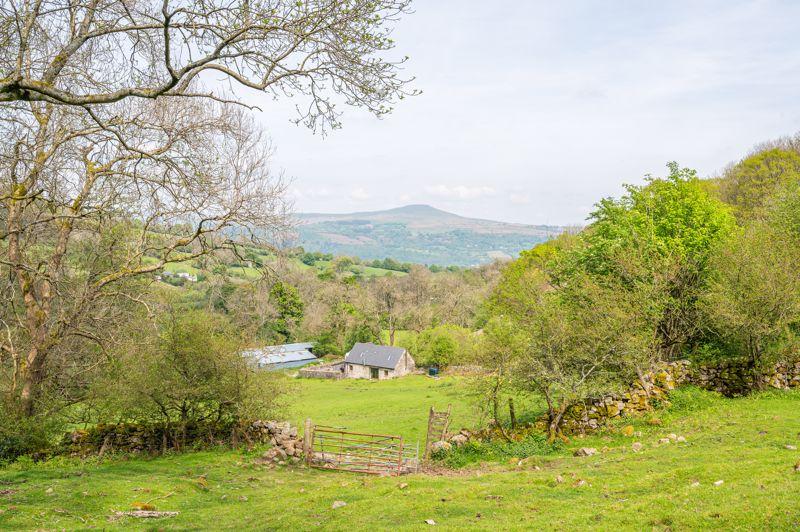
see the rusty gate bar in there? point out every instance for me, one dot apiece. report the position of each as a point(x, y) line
point(333, 448)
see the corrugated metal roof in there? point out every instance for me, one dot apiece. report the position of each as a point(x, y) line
point(281, 354)
point(376, 356)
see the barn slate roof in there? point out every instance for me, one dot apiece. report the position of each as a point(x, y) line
point(376, 356)
point(280, 354)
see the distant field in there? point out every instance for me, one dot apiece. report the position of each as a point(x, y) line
point(251, 273)
point(398, 406)
point(741, 442)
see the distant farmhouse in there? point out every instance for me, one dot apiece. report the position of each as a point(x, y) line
point(370, 361)
point(275, 357)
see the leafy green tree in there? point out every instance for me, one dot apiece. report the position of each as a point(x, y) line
point(750, 184)
point(499, 352)
point(753, 299)
point(656, 241)
point(443, 345)
point(343, 264)
point(672, 217)
point(579, 340)
point(289, 309)
point(184, 370)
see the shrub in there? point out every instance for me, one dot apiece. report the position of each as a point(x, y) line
point(21, 436)
point(187, 371)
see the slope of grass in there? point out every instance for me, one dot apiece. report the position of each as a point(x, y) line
point(669, 486)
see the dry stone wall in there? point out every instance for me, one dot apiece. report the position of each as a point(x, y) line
point(142, 438)
point(730, 378)
point(733, 378)
point(641, 397)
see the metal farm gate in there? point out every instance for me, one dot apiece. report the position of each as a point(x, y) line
point(377, 454)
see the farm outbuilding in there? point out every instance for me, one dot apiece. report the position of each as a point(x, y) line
point(274, 357)
point(370, 361)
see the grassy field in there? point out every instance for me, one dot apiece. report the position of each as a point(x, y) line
point(665, 487)
point(398, 406)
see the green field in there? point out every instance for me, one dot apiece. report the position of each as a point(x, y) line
point(398, 406)
point(665, 487)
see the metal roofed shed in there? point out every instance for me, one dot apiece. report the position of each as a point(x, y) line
point(275, 357)
point(371, 361)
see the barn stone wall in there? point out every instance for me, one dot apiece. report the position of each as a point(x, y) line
point(333, 371)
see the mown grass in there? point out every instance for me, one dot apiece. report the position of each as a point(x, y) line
point(740, 441)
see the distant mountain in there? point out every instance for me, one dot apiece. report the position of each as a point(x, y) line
point(418, 233)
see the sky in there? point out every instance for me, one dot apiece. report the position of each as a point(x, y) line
point(532, 111)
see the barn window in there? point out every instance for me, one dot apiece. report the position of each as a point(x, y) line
point(386, 373)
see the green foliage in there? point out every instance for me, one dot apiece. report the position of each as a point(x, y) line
point(442, 346)
point(366, 332)
point(22, 435)
point(754, 295)
point(391, 264)
point(289, 309)
point(655, 243)
point(184, 370)
point(346, 325)
point(596, 309)
point(751, 184)
point(668, 219)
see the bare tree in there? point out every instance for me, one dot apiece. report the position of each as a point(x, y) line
point(91, 201)
point(90, 52)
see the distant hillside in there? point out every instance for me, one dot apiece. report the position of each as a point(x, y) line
point(417, 233)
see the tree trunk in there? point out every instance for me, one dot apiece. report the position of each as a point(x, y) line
point(498, 424)
point(554, 428)
point(755, 363)
point(32, 375)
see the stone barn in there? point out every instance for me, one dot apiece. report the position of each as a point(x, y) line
point(370, 361)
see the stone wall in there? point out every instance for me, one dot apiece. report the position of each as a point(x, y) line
point(734, 378)
point(641, 397)
point(328, 371)
point(156, 438)
point(730, 378)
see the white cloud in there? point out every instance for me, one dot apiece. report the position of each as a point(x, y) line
point(311, 192)
point(519, 198)
point(359, 194)
point(460, 192)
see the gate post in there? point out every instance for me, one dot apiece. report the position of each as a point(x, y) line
point(308, 441)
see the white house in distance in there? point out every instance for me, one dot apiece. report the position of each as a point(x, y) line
point(370, 361)
point(274, 357)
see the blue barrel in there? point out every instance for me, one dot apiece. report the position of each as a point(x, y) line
point(433, 372)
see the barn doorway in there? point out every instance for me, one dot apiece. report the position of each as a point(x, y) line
point(373, 373)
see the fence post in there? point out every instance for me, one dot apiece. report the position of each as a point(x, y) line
point(400, 458)
point(308, 441)
point(428, 436)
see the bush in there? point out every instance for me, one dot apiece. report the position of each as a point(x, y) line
point(21, 436)
point(185, 371)
point(443, 345)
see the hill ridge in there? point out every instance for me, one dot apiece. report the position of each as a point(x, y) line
point(418, 233)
